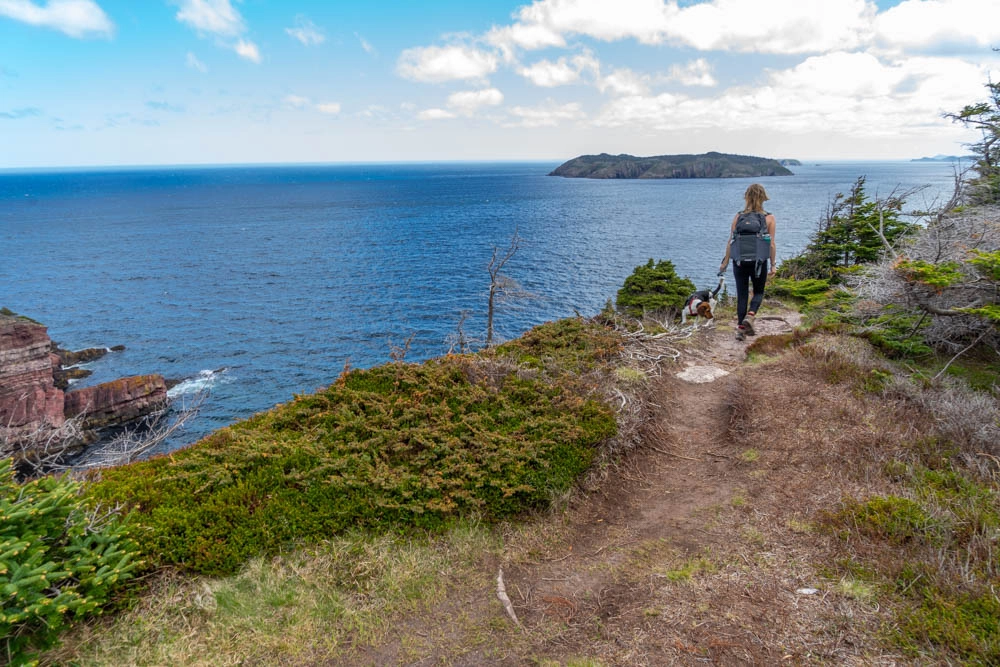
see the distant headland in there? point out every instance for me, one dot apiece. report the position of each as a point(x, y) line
point(946, 158)
point(707, 165)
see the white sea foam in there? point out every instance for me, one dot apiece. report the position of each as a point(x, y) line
point(204, 381)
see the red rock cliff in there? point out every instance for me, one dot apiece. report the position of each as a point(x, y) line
point(116, 402)
point(31, 404)
point(28, 397)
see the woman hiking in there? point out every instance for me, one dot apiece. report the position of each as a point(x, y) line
point(752, 249)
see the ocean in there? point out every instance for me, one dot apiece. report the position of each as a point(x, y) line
point(260, 282)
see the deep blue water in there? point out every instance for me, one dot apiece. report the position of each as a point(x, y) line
point(280, 275)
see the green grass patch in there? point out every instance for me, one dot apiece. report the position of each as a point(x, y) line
point(980, 374)
point(957, 624)
point(931, 560)
point(891, 518)
point(689, 569)
point(389, 448)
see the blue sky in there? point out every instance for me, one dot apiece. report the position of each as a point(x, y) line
point(106, 82)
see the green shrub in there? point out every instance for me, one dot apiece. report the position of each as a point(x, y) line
point(386, 448)
point(652, 288)
point(572, 345)
point(58, 561)
point(897, 333)
point(810, 290)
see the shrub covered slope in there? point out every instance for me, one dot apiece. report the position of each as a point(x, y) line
point(394, 446)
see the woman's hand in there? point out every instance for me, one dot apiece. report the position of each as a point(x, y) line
point(773, 270)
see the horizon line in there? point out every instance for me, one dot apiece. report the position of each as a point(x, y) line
point(348, 163)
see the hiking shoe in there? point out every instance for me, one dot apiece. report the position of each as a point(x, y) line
point(740, 333)
point(748, 325)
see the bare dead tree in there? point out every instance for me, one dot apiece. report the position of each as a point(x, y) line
point(43, 447)
point(399, 352)
point(891, 202)
point(140, 437)
point(502, 287)
point(459, 341)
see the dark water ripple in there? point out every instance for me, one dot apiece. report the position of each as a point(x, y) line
point(281, 275)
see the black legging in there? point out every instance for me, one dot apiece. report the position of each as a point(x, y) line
point(745, 273)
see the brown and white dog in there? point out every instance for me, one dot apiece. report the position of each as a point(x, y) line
point(700, 305)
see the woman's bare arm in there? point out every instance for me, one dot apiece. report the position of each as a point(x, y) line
point(774, 246)
point(732, 229)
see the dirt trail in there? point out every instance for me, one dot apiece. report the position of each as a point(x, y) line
point(659, 507)
point(648, 569)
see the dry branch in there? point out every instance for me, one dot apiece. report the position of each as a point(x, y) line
point(502, 594)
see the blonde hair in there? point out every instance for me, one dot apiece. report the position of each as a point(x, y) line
point(755, 196)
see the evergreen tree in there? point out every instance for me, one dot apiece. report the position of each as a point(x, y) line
point(652, 288)
point(984, 188)
point(855, 231)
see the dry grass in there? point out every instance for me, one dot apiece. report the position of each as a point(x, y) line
point(909, 529)
point(319, 604)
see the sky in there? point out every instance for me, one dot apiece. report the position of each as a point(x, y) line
point(156, 82)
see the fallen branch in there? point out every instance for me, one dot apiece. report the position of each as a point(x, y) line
point(663, 451)
point(502, 594)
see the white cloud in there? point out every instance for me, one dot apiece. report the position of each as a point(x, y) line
point(548, 74)
point(644, 20)
point(777, 26)
point(247, 50)
point(911, 24)
point(548, 114)
point(840, 94)
point(531, 37)
point(436, 114)
point(217, 17)
point(296, 101)
point(194, 63)
point(771, 26)
point(76, 18)
point(624, 81)
point(331, 108)
point(306, 32)
point(366, 45)
point(435, 64)
point(695, 73)
point(469, 101)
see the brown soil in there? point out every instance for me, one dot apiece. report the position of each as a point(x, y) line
point(697, 548)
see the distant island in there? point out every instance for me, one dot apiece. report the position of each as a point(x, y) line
point(945, 158)
point(789, 163)
point(708, 165)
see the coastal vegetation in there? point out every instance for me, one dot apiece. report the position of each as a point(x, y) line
point(60, 559)
point(400, 445)
point(850, 513)
point(707, 165)
point(654, 288)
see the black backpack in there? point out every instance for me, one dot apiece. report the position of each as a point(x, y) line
point(751, 242)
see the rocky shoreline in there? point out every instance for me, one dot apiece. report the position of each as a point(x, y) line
point(40, 415)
